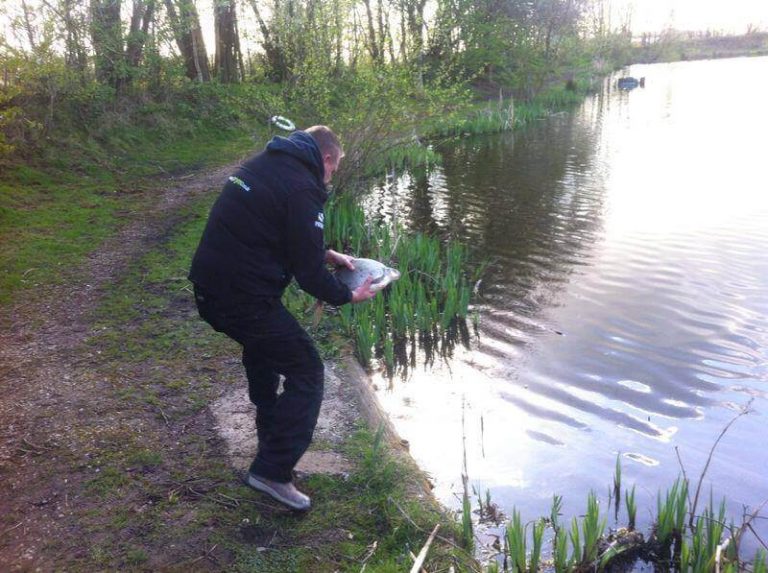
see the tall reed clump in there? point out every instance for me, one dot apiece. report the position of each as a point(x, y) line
point(428, 300)
point(670, 517)
point(710, 545)
point(584, 537)
point(493, 117)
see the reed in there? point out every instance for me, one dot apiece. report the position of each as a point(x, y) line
point(593, 528)
point(432, 294)
point(409, 154)
point(617, 486)
point(467, 531)
point(629, 498)
point(670, 518)
point(706, 536)
point(709, 545)
point(759, 563)
point(554, 513)
point(575, 537)
point(560, 553)
point(538, 539)
point(515, 537)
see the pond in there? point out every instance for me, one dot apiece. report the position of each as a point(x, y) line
point(625, 309)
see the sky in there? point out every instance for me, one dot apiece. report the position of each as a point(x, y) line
point(726, 15)
point(730, 16)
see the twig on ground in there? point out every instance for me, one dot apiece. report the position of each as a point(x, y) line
point(11, 528)
point(165, 418)
point(410, 553)
point(371, 550)
point(438, 537)
point(35, 446)
point(206, 555)
point(230, 504)
point(424, 550)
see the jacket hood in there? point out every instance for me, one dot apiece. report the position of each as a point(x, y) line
point(303, 147)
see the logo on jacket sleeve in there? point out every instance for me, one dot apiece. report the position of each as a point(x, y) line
point(240, 183)
point(320, 219)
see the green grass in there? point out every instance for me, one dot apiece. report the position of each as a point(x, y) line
point(494, 116)
point(153, 343)
point(60, 208)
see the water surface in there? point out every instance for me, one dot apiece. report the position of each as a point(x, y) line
point(625, 310)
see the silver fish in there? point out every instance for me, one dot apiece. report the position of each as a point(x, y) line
point(381, 273)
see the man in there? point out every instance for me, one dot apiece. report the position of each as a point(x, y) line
point(265, 228)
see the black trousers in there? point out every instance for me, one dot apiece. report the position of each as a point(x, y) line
point(273, 344)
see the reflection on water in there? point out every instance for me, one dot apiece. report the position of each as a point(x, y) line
point(625, 308)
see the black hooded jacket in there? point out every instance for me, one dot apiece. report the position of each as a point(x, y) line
point(267, 227)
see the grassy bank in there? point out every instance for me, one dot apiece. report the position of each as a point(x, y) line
point(58, 207)
point(163, 469)
point(675, 46)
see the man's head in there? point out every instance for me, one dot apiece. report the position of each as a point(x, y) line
point(330, 148)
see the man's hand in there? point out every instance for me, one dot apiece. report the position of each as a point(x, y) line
point(339, 259)
point(364, 292)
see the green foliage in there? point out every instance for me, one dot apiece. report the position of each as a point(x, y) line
point(538, 540)
point(560, 553)
point(758, 564)
point(593, 528)
point(629, 498)
point(575, 536)
point(431, 295)
point(516, 542)
point(554, 513)
point(467, 529)
point(670, 519)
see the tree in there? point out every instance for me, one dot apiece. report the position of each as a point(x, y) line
point(228, 54)
point(143, 13)
point(107, 40)
point(185, 23)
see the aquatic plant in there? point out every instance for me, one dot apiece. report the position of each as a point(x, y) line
point(431, 295)
point(554, 513)
point(629, 498)
point(670, 517)
point(515, 538)
point(617, 486)
point(759, 563)
point(575, 537)
point(560, 553)
point(593, 528)
point(413, 153)
point(538, 538)
point(467, 530)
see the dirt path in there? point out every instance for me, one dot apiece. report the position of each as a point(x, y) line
point(49, 399)
point(60, 414)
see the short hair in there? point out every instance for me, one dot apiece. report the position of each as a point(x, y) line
point(326, 140)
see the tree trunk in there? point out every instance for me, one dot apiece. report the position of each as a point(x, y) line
point(276, 61)
point(28, 26)
point(225, 25)
point(107, 39)
point(189, 38)
point(373, 46)
point(143, 12)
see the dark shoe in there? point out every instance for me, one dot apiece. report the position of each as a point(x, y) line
point(285, 493)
